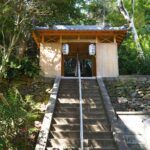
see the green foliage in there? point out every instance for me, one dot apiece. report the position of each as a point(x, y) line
point(51, 12)
point(129, 63)
point(29, 67)
point(18, 17)
point(13, 117)
point(17, 113)
point(13, 68)
point(25, 67)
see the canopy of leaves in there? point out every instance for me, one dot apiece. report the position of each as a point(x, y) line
point(18, 17)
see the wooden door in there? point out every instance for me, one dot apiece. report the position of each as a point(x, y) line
point(85, 59)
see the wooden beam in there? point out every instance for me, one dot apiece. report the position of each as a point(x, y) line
point(120, 38)
point(79, 41)
point(121, 35)
point(78, 35)
point(81, 32)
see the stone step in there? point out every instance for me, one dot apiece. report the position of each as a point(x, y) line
point(66, 114)
point(89, 82)
point(98, 135)
point(100, 143)
point(64, 134)
point(76, 95)
point(71, 120)
point(102, 148)
point(68, 95)
point(75, 143)
point(67, 105)
point(64, 143)
point(85, 100)
point(90, 85)
point(90, 90)
point(65, 89)
point(87, 148)
point(69, 80)
point(76, 134)
point(93, 87)
point(71, 85)
point(77, 115)
point(76, 110)
point(93, 99)
point(76, 127)
point(72, 88)
point(90, 95)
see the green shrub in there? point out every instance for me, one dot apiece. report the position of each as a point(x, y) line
point(13, 117)
point(16, 68)
point(12, 68)
point(30, 67)
point(129, 62)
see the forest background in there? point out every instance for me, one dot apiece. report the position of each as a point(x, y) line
point(21, 100)
point(19, 17)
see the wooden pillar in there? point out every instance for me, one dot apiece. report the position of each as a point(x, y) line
point(62, 58)
point(114, 38)
point(42, 38)
point(93, 65)
point(96, 41)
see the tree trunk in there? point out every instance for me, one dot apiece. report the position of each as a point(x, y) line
point(130, 20)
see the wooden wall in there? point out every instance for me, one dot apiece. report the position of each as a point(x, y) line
point(50, 59)
point(107, 60)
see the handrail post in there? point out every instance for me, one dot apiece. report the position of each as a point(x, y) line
point(81, 101)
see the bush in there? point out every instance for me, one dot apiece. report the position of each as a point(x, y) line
point(13, 117)
point(129, 62)
point(16, 68)
point(17, 114)
point(29, 67)
point(12, 68)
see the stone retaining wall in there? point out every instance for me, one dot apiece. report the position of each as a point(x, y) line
point(136, 130)
point(131, 96)
point(129, 93)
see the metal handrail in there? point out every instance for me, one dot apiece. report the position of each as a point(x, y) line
point(81, 101)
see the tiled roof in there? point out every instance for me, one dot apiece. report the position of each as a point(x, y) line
point(81, 27)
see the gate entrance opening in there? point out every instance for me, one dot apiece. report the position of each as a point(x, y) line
point(87, 62)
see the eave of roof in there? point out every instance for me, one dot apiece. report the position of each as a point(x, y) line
point(81, 28)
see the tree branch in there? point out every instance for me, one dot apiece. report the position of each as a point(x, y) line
point(123, 10)
point(130, 20)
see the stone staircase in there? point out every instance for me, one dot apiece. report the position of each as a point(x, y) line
point(65, 127)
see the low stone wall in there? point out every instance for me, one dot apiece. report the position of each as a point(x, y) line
point(136, 129)
point(130, 97)
point(129, 93)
